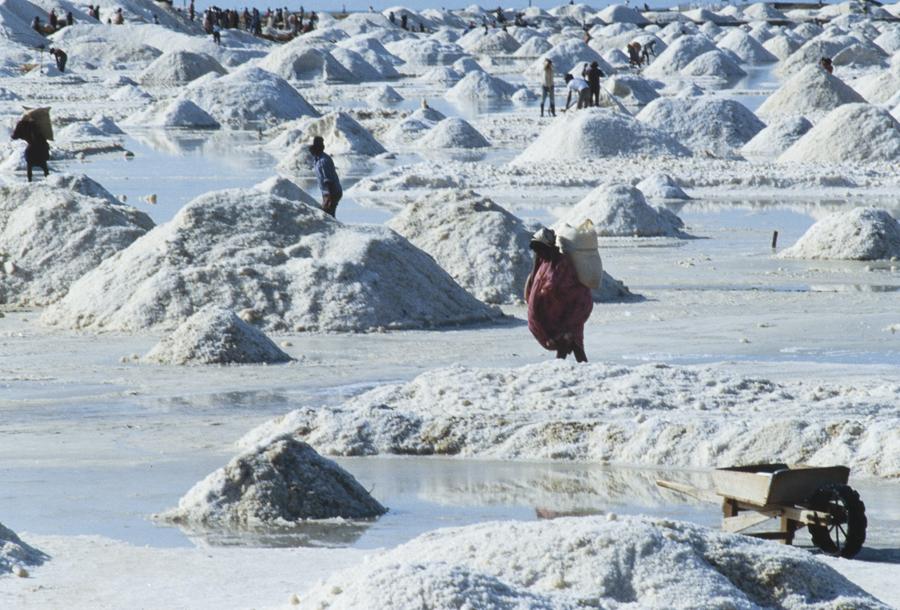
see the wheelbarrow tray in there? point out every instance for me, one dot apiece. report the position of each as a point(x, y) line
point(776, 484)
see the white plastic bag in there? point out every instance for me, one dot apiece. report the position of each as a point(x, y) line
point(580, 245)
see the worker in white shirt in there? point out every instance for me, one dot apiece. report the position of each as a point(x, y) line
point(581, 89)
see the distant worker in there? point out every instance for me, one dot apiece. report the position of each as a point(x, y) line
point(70, 18)
point(36, 26)
point(33, 129)
point(118, 17)
point(634, 54)
point(329, 183)
point(594, 73)
point(558, 303)
point(648, 50)
point(547, 90)
point(403, 21)
point(61, 58)
point(52, 19)
point(392, 17)
point(217, 34)
point(581, 89)
point(826, 65)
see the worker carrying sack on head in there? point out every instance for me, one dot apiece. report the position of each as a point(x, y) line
point(35, 129)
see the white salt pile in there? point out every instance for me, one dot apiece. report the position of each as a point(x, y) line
point(678, 55)
point(781, 46)
point(248, 96)
point(713, 64)
point(611, 414)
point(81, 131)
point(179, 68)
point(299, 63)
point(480, 244)
point(279, 484)
point(177, 113)
point(15, 554)
point(428, 52)
point(860, 56)
point(619, 13)
point(385, 94)
point(850, 133)
point(661, 186)
point(567, 56)
point(812, 51)
point(479, 86)
point(452, 133)
point(533, 47)
point(599, 561)
point(412, 127)
point(880, 87)
point(630, 89)
point(747, 48)
point(284, 188)
point(107, 125)
point(357, 65)
point(598, 132)
point(495, 43)
point(215, 335)
point(620, 210)
point(131, 94)
point(810, 92)
point(53, 232)
point(713, 126)
point(861, 234)
point(343, 135)
point(777, 137)
point(283, 264)
point(443, 75)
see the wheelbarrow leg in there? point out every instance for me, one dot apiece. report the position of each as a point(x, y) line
point(788, 527)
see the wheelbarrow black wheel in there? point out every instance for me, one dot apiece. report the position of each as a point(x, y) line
point(845, 533)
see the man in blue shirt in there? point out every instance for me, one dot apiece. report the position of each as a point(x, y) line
point(329, 183)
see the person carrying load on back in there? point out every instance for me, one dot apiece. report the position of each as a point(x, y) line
point(35, 129)
point(547, 90)
point(594, 73)
point(634, 54)
point(559, 304)
point(825, 64)
point(581, 89)
point(329, 183)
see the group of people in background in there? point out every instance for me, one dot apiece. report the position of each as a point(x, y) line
point(216, 19)
point(584, 89)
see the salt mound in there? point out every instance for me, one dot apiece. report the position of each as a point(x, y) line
point(179, 68)
point(282, 264)
point(716, 126)
point(861, 234)
point(299, 63)
point(811, 91)
point(632, 90)
point(342, 135)
point(678, 55)
point(747, 48)
point(357, 65)
point(781, 46)
point(889, 40)
point(850, 133)
point(567, 56)
point(106, 125)
point(760, 11)
point(533, 47)
point(215, 335)
point(713, 64)
point(620, 210)
point(130, 93)
point(600, 562)
point(453, 133)
point(777, 137)
point(598, 132)
point(248, 96)
point(467, 64)
point(284, 188)
point(428, 52)
point(175, 113)
point(618, 13)
point(282, 483)
point(77, 132)
point(480, 244)
point(443, 75)
point(53, 232)
point(880, 87)
point(385, 94)
point(480, 85)
point(860, 56)
point(812, 51)
point(661, 186)
point(495, 43)
point(14, 552)
point(654, 415)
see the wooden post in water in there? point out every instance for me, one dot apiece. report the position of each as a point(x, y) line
point(774, 239)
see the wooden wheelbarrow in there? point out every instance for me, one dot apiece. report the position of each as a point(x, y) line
point(797, 495)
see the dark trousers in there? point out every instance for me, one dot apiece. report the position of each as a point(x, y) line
point(547, 92)
point(330, 202)
point(595, 95)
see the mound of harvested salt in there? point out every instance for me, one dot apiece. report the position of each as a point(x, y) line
point(661, 186)
point(215, 335)
point(297, 62)
point(342, 135)
point(494, 43)
point(385, 94)
point(620, 210)
point(619, 13)
point(861, 234)
point(812, 51)
point(53, 232)
point(479, 86)
point(281, 263)
point(467, 64)
point(443, 75)
point(713, 125)
point(14, 553)
point(747, 48)
point(179, 68)
point(598, 132)
point(174, 113)
point(106, 125)
point(76, 132)
point(781, 46)
point(480, 244)
point(630, 89)
point(777, 137)
point(428, 52)
point(284, 188)
point(812, 91)
point(558, 564)
point(850, 133)
point(453, 133)
point(678, 55)
point(408, 130)
point(611, 414)
point(533, 47)
point(760, 11)
point(880, 87)
point(567, 56)
point(247, 96)
point(357, 65)
point(130, 94)
point(714, 64)
point(281, 483)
